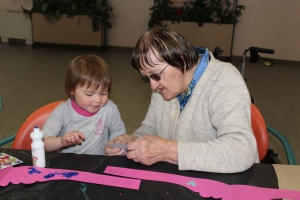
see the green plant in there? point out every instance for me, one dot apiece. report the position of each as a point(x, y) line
point(98, 10)
point(199, 11)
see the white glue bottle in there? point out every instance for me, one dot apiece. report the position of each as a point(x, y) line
point(37, 148)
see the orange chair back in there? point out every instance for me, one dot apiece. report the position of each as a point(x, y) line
point(260, 131)
point(37, 118)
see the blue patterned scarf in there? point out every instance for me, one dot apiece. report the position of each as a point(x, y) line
point(184, 98)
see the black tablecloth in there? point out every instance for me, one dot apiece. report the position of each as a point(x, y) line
point(261, 175)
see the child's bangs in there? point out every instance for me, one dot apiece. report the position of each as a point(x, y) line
point(96, 82)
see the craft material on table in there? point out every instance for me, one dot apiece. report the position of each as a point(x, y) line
point(207, 188)
point(118, 145)
point(8, 161)
point(29, 175)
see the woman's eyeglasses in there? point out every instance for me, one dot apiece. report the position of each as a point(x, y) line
point(155, 77)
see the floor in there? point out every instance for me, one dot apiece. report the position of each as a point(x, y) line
point(31, 78)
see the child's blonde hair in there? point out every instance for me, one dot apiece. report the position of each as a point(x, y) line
point(89, 70)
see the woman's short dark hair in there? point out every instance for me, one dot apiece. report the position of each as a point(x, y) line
point(171, 48)
point(89, 70)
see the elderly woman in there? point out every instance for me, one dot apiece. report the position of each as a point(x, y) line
point(199, 116)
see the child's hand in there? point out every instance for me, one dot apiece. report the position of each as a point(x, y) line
point(72, 138)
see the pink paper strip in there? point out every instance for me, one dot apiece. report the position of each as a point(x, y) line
point(251, 192)
point(208, 188)
point(29, 174)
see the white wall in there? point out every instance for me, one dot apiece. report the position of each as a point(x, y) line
point(15, 5)
point(267, 23)
point(270, 24)
point(129, 23)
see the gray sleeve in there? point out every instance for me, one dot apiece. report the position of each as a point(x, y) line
point(117, 126)
point(148, 124)
point(55, 121)
point(235, 148)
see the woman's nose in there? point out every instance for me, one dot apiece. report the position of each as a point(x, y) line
point(154, 84)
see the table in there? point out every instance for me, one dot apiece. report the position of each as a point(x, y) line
point(261, 175)
point(288, 176)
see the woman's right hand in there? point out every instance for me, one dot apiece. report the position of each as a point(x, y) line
point(124, 139)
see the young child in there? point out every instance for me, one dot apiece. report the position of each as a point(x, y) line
point(88, 119)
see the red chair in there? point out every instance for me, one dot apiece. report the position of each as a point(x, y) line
point(261, 131)
point(38, 118)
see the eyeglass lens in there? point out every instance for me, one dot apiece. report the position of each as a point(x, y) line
point(145, 79)
point(155, 77)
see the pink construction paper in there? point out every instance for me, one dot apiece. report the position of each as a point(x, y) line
point(251, 192)
point(29, 175)
point(208, 188)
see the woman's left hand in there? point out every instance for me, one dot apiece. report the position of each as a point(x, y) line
point(151, 149)
point(124, 139)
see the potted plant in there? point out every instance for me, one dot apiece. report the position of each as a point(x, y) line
point(199, 11)
point(56, 12)
point(201, 22)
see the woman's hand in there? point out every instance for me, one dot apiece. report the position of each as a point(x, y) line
point(72, 138)
point(151, 149)
point(124, 139)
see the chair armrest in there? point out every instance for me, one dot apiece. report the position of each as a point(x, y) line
point(287, 146)
point(7, 140)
